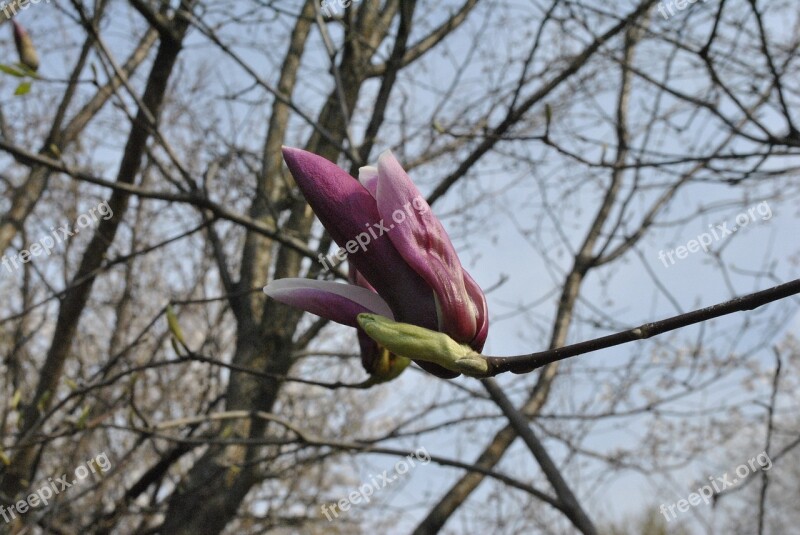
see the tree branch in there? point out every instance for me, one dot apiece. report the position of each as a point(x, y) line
point(571, 507)
point(528, 363)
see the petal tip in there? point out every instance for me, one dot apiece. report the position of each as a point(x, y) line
point(289, 151)
point(386, 155)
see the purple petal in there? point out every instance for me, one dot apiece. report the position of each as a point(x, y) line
point(422, 241)
point(370, 351)
point(337, 302)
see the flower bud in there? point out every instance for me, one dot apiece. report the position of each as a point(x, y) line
point(25, 49)
point(418, 343)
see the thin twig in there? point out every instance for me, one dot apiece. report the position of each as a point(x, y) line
point(770, 426)
point(528, 363)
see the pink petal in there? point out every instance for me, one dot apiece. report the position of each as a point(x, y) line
point(337, 302)
point(482, 320)
point(422, 241)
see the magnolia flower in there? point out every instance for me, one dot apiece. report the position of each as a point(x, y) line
point(25, 48)
point(403, 265)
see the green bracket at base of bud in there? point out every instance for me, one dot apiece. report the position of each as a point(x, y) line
point(387, 368)
point(418, 343)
